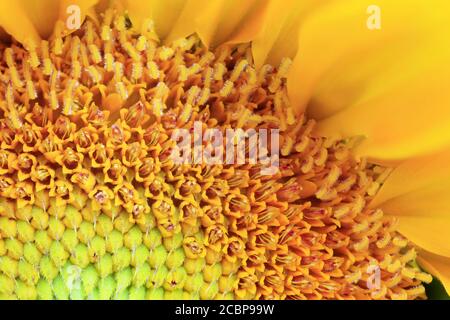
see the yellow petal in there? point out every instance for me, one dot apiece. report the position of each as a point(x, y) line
point(42, 14)
point(437, 265)
point(248, 26)
point(163, 13)
point(219, 21)
point(3, 35)
point(30, 20)
point(280, 26)
point(15, 21)
point(417, 193)
point(389, 85)
point(86, 6)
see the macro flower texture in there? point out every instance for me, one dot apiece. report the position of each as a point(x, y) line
point(94, 206)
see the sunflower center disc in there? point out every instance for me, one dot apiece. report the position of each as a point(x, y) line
point(92, 205)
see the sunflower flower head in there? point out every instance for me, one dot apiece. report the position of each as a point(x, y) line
point(94, 206)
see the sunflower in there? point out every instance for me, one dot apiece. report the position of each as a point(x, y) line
point(93, 206)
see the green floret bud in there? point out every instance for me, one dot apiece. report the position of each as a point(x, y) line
point(96, 248)
point(56, 228)
point(89, 278)
point(104, 226)
point(94, 295)
point(152, 239)
point(121, 259)
point(139, 255)
point(8, 266)
point(44, 290)
point(141, 274)
point(122, 294)
point(174, 295)
point(212, 273)
point(137, 293)
point(14, 248)
point(133, 238)
point(25, 231)
point(48, 269)
point(157, 256)
point(123, 278)
point(175, 258)
point(6, 285)
point(86, 232)
point(69, 239)
point(155, 294)
point(24, 291)
point(77, 291)
point(8, 227)
point(209, 290)
point(173, 242)
point(105, 265)
point(157, 277)
point(31, 253)
point(58, 254)
point(27, 273)
point(80, 256)
point(60, 289)
point(42, 241)
point(194, 282)
point(114, 241)
point(106, 288)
